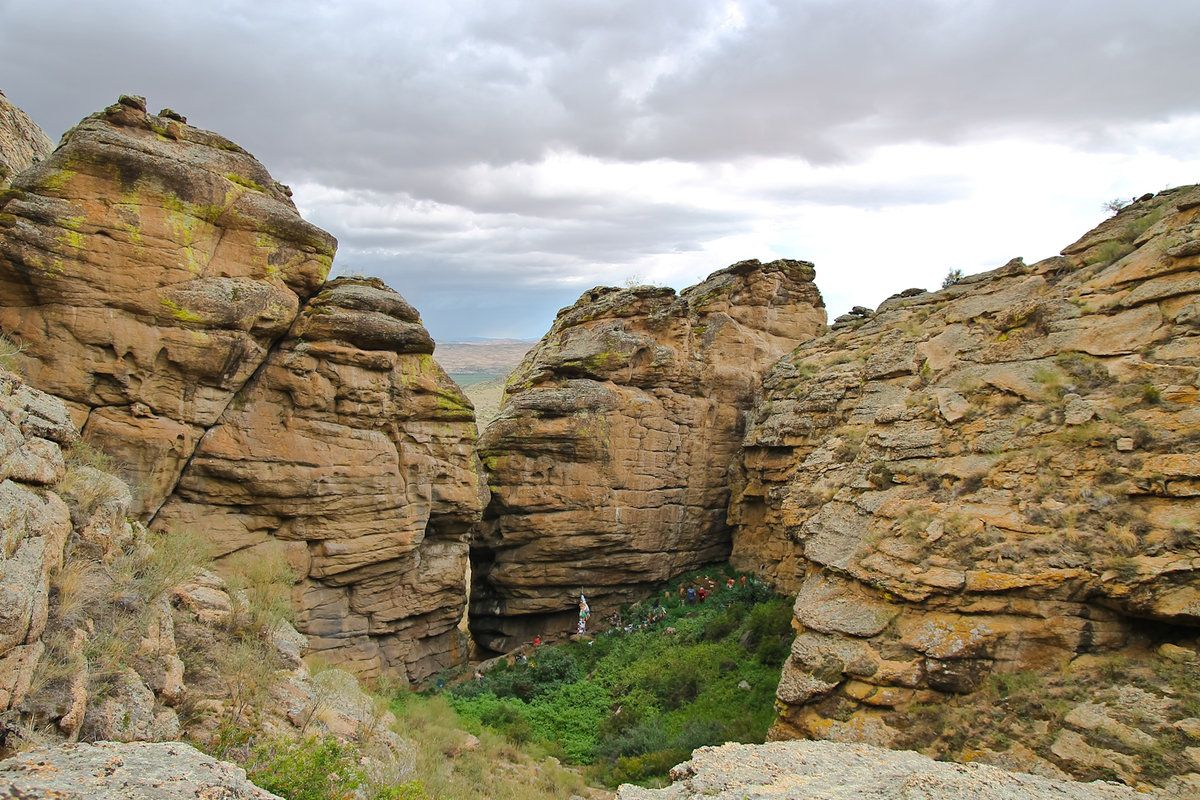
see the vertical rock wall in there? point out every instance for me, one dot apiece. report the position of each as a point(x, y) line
point(998, 476)
point(353, 448)
point(609, 461)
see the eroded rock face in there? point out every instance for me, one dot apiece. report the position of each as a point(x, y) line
point(22, 142)
point(854, 772)
point(998, 476)
point(147, 266)
point(609, 461)
point(353, 448)
point(162, 283)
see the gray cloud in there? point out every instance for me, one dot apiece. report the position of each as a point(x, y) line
point(395, 104)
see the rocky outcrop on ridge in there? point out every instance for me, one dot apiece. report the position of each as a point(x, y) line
point(114, 771)
point(162, 283)
point(608, 463)
point(353, 449)
point(828, 771)
point(994, 479)
point(147, 267)
point(22, 142)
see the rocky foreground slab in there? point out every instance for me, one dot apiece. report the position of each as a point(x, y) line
point(114, 771)
point(803, 770)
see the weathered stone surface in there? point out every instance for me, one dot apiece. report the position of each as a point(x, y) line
point(609, 460)
point(1007, 465)
point(354, 448)
point(147, 266)
point(830, 771)
point(164, 285)
point(22, 142)
point(112, 771)
point(34, 528)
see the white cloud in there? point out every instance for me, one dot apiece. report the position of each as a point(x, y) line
point(491, 158)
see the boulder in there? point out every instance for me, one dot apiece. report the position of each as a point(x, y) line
point(114, 771)
point(834, 771)
point(163, 284)
point(22, 142)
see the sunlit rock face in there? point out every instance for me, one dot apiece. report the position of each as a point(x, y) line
point(147, 267)
point(163, 284)
point(609, 461)
point(22, 142)
point(998, 476)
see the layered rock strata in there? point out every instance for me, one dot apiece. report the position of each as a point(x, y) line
point(828, 771)
point(147, 267)
point(353, 448)
point(608, 463)
point(22, 142)
point(998, 476)
point(159, 280)
point(114, 633)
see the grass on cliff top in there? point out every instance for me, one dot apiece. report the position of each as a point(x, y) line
point(637, 699)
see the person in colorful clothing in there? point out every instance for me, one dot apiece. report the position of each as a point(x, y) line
point(585, 613)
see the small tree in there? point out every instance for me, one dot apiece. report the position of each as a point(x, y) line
point(952, 277)
point(1114, 206)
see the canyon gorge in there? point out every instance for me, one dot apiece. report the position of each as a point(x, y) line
point(997, 478)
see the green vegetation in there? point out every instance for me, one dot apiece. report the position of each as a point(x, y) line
point(320, 768)
point(242, 180)
point(9, 353)
point(638, 699)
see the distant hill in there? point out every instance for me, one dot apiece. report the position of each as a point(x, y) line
point(484, 357)
point(481, 366)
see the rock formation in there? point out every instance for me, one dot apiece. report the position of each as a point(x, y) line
point(828, 771)
point(162, 283)
point(147, 267)
point(35, 524)
point(22, 142)
point(354, 448)
point(609, 461)
point(113, 771)
point(113, 633)
point(997, 477)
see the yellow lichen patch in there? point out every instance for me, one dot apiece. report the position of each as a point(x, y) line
point(179, 312)
point(987, 581)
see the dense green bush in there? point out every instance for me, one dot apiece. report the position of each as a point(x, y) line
point(637, 700)
point(319, 768)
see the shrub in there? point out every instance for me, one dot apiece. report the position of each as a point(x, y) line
point(260, 581)
point(952, 277)
point(317, 768)
point(10, 353)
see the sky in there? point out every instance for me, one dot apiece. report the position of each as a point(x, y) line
point(493, 159)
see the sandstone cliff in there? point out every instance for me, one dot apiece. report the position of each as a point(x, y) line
point(162, 283)
point(997, 478)
point(354, 448)
point(22, 142)
point(115, 633)
point(608, 463)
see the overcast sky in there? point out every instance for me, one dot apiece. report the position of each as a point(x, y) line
point(493, 159)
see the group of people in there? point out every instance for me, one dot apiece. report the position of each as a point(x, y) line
point(699, 590)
